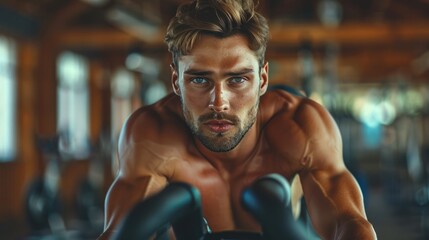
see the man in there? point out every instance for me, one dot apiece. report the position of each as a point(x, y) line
point(221, 129)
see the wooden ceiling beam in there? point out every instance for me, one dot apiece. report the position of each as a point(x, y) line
point(102, 39)
point(67, 12)
point(372, 50)
point(281, 35)
point(412, 10)
point(367, 66)
point(351, 34)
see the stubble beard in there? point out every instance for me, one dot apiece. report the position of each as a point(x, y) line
point(220, 142)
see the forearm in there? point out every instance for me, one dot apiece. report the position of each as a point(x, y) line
point(105, 235)
point(357, 228)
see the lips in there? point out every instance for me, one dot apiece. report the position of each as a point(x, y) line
point(219, 126)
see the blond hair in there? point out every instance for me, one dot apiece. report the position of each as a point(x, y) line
point(221, 18)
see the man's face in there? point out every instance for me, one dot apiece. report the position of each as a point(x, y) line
point(220, 82)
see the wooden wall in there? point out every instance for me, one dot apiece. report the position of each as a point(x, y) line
point(36, 109)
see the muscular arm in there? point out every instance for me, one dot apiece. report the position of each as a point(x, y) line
point(122, 196)
point(141, 171)
point(332, 195)
point(335, 205)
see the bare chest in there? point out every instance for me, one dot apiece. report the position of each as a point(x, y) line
point(221, 191)
point(221, 199)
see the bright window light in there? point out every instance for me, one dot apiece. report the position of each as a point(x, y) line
point(73, 106)
point(8, 107)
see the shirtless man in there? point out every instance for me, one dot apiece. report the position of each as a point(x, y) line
point(221, 129)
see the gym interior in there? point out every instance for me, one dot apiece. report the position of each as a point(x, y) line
point(71, 72)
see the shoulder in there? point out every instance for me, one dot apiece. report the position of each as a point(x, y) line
point(278, 101)
point(306, 126)
point(319, 126)
point(323, 137)
point(157, 122)
point(284, 109)
point(278, 109)
point(151, 137)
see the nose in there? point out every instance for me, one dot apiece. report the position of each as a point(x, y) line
point(219, 100)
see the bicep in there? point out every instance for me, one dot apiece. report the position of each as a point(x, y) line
point(330, 190)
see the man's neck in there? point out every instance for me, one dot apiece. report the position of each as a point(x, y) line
point(234, 159)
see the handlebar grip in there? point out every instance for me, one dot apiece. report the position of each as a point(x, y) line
point(268, 200)
point(178, 203)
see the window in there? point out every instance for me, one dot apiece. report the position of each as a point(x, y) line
point(73, 106)
point(123, 90)
point(8, 85)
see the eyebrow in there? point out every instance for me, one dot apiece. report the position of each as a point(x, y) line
point(241, 72)
point(196, 72)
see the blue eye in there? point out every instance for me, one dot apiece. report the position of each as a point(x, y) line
point(236, 80)
point(199, 80)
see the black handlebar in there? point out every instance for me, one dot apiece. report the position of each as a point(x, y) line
point(267, 199)
point(178, 201)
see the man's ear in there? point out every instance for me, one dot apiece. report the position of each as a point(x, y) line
point(175, 79)
point(264, 79)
